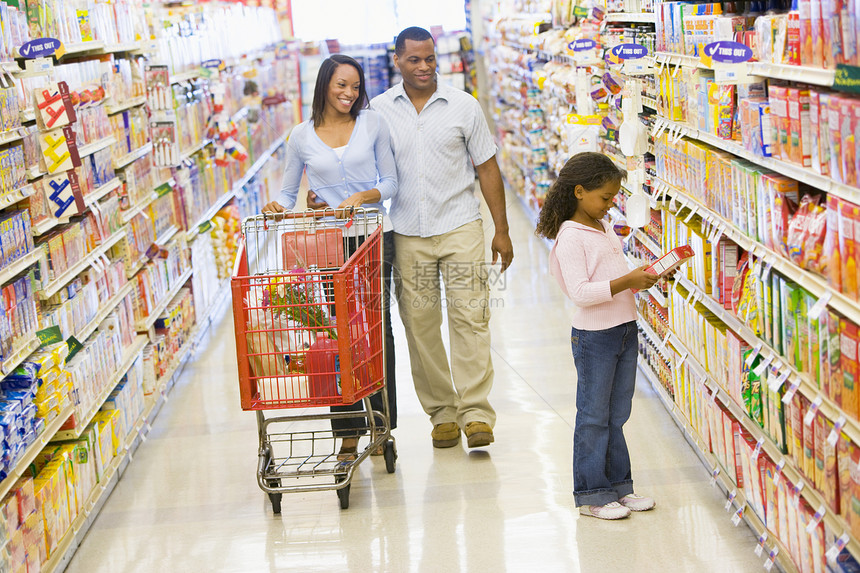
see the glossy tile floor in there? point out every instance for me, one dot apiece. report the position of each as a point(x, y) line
point(190, 502)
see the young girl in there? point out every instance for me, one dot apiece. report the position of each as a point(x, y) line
point(588, 263)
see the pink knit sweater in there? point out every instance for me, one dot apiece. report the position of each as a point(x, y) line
point(584, 261)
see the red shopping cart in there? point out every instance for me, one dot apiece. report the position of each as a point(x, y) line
point(307, 313)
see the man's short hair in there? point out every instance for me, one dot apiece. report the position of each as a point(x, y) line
point(415, 34)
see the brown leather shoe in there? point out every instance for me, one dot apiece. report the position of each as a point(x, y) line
point(445, 435)
point(479, 434)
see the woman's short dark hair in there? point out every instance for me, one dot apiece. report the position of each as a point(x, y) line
point(415, 34)
point(327, 69)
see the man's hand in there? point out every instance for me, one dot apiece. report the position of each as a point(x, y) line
point(314, 202)
point(273, 207)
point(502, 247)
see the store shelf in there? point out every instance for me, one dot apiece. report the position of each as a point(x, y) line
point(12, 270)
point(102, 191)
point(128, 359)
point(649, 102)
point(18, 357)
point(96, 146)
point(184, 76)
point(105, 310)
point(805, 74)
point(816, 285)
point(194, 150)
point(55, 285)
point(84, 47)
point(23, 465)
point(128, 104)
point(804, 175)
point(670, 59)
point(120, 48)
point(783, 557)
point(167, 236)
point(639, 17)
point(44, 226)
point(646, 241)
point(135, 267)
point(34, 172)
point(146, 323)
point(28, 115)
point(130, 158)
point(10, 199)
point(658, 296)
point(11, 136)
point(790, 471)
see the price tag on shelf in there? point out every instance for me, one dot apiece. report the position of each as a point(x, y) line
point(690, 296)
point(718, 236)
point(714, 475)
point(738, 516)
point(767, 269)
point(792, 390)
point(665, 342)
point(777, 475)
point(833, 437)
point(771, 559)
point(682, 359)
point(692, 214)
point(731, 499)
point(816, 519)
point(813, 410)
point(838, 546)
point(759, 549)
point(713, 396)
point(757, 451)
point(759, 370)
point(776, 383)
point(753, 355)
point(795, 498)
point(816, 310)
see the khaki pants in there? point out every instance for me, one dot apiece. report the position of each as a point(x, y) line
point(458, 257)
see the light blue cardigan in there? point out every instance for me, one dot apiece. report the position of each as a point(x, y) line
point(367, 163)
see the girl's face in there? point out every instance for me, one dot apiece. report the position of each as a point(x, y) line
point(343, 89)
point(597, 202)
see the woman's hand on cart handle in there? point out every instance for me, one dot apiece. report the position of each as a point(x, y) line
point(356, 200)
point(273, 207)
point(314, 202)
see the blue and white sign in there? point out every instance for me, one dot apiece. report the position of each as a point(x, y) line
point(213, 64)
point(727, 52)
point(582, 45)
point(629, 51)
point(39, 48)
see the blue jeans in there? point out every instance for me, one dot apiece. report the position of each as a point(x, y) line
point(606, 371)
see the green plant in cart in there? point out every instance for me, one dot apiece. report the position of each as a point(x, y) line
point(294, 297)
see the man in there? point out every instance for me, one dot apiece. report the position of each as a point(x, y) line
point(441, 140)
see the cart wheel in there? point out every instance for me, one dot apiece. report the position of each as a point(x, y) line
point(275, 498)
point(390, 454)
point(343, 496)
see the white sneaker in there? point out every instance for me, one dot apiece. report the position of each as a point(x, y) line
point(612, 510)
point(635, 502)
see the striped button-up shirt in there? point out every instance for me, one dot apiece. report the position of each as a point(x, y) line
point(435, 152)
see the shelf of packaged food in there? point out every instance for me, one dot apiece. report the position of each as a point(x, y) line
point(139, 208)
point(121, 48)
point(128, 104)
point(99, 193)
point(42, 227)
point(133, 156)
point(805, 385)
point(19, 356)
point(670, 59)
point(54, 286)
point(193, 231)
point(23, 465)
point(167, 235)
point(816, 285)
point(34, 172)
point(135, 267)
point(790, 470)
point(658, 296)
point(635, 17)
point(15, 268)
point(96, 146)
point(185, 155)
point(145, 324)
point(128, 358)
point(104, 310)
point(648, 243)
point(646, 328)
point(805, 74)
point(28, 115)
point(802, 174)
point(15, 196)
point(772, 546)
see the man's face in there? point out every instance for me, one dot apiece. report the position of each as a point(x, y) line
point(417, 64)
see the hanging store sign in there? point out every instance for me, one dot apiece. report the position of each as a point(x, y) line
point(629, 51)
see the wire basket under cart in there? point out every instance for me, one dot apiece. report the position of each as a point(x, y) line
point(308, 318)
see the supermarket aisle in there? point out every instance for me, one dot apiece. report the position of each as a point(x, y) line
point(190, 501)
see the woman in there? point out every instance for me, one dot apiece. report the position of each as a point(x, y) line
point(346, 152)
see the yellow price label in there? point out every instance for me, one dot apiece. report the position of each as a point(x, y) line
point(577, 119)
